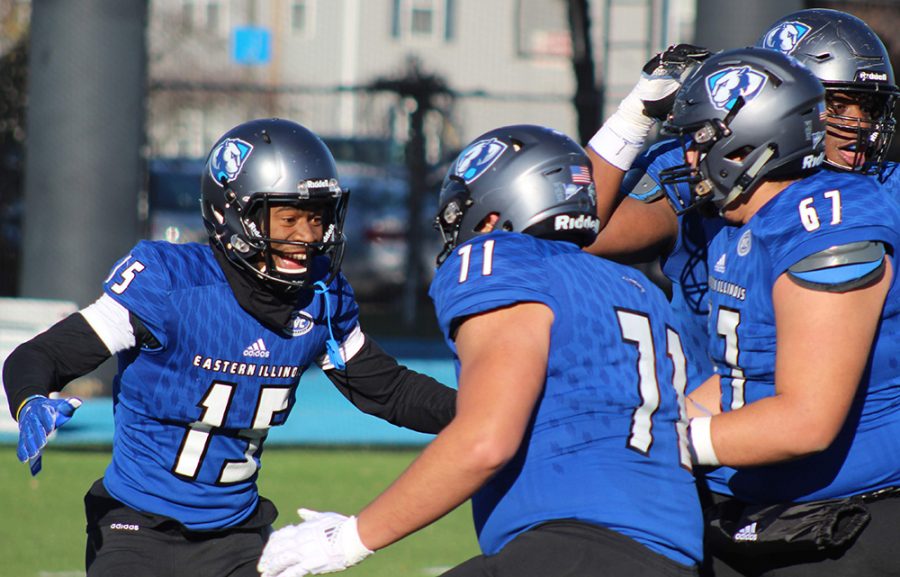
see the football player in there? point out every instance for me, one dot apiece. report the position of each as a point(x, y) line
point(804, 328)
point(860, 91)
point(212, 341)
point(645, 218)
point(569, 433)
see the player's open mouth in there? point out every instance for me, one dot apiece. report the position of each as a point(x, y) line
point(289, 263)
point(850, 156)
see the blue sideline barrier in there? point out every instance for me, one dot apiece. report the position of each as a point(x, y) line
point(321, 416)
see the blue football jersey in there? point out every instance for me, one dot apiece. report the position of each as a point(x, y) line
point(607, 443)
point(191, 415)
point(827, 209)
point(685, 265)
point(889, 179)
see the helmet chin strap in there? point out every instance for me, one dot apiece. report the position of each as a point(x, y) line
point(747, 178)
point(837, 166)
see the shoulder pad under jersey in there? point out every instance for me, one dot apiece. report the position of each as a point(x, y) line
point(840, 268)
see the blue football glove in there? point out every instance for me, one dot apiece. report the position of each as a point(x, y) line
point(38, 418)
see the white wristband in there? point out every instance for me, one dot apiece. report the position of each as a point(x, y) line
point(622, 136)
point(351, 545)
point(615, 148)
point(701, 442)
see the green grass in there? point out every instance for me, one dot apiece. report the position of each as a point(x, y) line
point(42, 533)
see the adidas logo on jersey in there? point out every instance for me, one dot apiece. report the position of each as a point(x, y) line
point(720, 264)
point(748, 533)
point(257, 349)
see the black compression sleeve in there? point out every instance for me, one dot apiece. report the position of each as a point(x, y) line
point(49, 361)
point(377, 385)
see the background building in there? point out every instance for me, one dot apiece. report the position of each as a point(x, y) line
point(213, 63)
point(120, 119)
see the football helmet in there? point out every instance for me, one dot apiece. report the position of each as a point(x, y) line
point(536, 179)
point(847, 57)
point(750, 114)
point(262, 164)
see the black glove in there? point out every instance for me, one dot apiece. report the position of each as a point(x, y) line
point(676, 63)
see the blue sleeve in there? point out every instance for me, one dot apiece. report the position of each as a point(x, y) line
point(642, 182)
point(889, 180)
point(489, 274)
point(345, 317)
point(141, 282)
point(854, 215)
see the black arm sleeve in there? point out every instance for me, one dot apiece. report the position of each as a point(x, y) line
point(378, 385)
point(48, 362)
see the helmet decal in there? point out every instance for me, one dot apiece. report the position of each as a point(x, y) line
point(477, 158)
point(785, 37)
point(580, 175)
point(570, 190)
point(726, 86)
point(228, 158)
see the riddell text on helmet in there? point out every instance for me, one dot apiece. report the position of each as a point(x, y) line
point(565, 222)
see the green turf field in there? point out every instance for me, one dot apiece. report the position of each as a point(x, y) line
point(42, 528)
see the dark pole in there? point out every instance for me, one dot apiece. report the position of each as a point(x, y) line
point(587, 98)
point(422, 88)
point(85, 130)
point(418, 186)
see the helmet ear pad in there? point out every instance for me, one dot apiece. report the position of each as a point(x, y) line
point(264, 163)
point(536, 179)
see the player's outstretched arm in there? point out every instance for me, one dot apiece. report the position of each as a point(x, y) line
point(378, 385)
point(622, 136)
point(636, 229)
point(637, 232)
point(501, 377)
point(823, 345)
point(43, 365)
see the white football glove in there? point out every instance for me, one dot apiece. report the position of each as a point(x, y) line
point(323, 543)
point(622, 136)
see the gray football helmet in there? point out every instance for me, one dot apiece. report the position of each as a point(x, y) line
point(536, 179)
point(751, 114)
point(264, 163)
point(848, 57)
